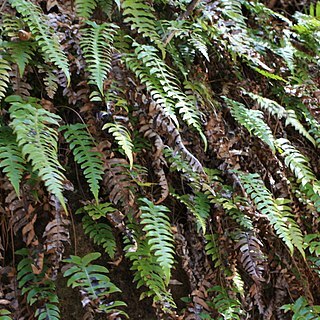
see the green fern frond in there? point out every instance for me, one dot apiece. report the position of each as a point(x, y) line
point(85, 8)
point(165, 85)
point(147, 270)
point(312, 243)
point(81, 144)
point(296, 161)
point(252, 120)
point(212, 249)
point(20, 53)
point(97, 211)
point(4, 76)
point(279, 112)
point(101, 234)
point(199, 206)
point(158, 229)
point(38, 289)
point(93, 281)
point(38, 138)
point(229, 307)
point(47, 40)
point(278, 214)
point(11, 160)
point(96, 45)
point(141, 17)
point(123, 138)
point(5, 314)
point(302, 310)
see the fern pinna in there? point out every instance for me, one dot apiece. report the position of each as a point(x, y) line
point(90, 161)
point(37, 136)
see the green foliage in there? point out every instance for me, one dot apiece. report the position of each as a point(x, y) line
point(4, 76)
point(45, 37)
point(85, 8)
point(11, 159)
point(229, 307)
point(96, 45)
point(163, 85)
point(123, 138)
point(147, 269)
point(252, 120)
point(20, 53)
point(81, 144)
point(93, 281)
point(37, 138)
point(275, 210)
point(212, 249)
point(101, 234)
point(97, 211)
point(5, 314)
point(141, 17)
point(39, 290)
point(199, 206)
point(158, 230)
point(302, 310)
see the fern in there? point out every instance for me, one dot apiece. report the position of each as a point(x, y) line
point(157, 227)
point(96, 45)
point(101, 234)
point(147, 270)
point(140, 16)
point(81, 144)
point(20, 53)
point(253, 121)
point(199, 206)
point(37, 138)
point(4, 76)
point(302, 310)
point(97, 211)
point(123, 138)
point(279, 215)
point(5, 314)
point(212, 249)
point(38, 289)
point(11, 159)
point(297, 162)
point(45, 37)
point(92, 280)
point(161, 80)
point(85, 8)
point(229, 308)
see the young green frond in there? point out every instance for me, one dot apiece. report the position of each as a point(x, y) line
point(158, 229)
point(229, 307)
point(47, 40)
point(97, 211)
point(96, 45)
point(93, 281)
point(85, 8)
point(276, 211)
point(141, 18)
point(302, 310)
point(147, 270)
point(37, 137)
point(11, 160)
point(101, 234)
point(81, 144)
point(4, 76)
point(20, 53)
point(279, 112)
point(123, 138)
point(252, 120)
